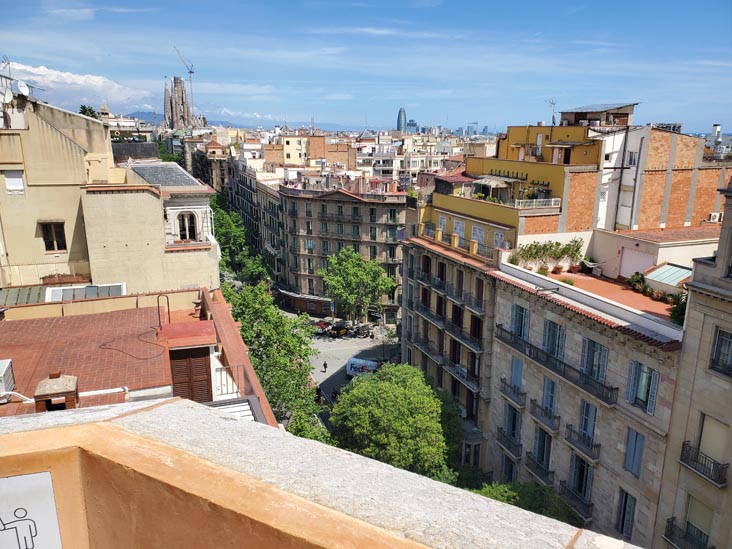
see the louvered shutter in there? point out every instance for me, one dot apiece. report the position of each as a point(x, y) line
point(180, 374)
point(629, 513)
point(516, 372)
point(585, 359)
point(588, 485)
point(525, 324)
point(547, 336)
point(632, 382)
point(655, 378)
point(560, 344)
point(602, 366)
point(630, 450)
point(536, 444)
point(640, 441)
point(515, 326)
point(201, 376)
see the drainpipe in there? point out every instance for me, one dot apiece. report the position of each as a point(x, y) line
point(635, 182)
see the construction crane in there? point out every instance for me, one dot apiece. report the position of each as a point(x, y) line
point(189, 67)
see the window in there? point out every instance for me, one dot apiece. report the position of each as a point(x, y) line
point(580, 477)
point(391, 250)
point(554, 339)
point(14, 181)
point(508, 469)
point(642, 386)
point(53, 237)
point(339, 246)
point(356, 247)
point(392, 215)
point(372, 252)
point(626, 510)
point(372, 233)
point(458, 227)
point(324, 246)
point(324, 228)
point(512, 422)
point(549, 397)
point(324, 208)
point(308, 210)
point(634, 452)
point(356, 230)
point(287, 155)
point(471, 454)
point(542, 447)
point(287, 141)
point(607, 157)
point(722, 354)
point(391, 234)
point(309, 244)
point(478, 234)
point(699, 521)
point(324, 264)
point(311, 267)
point(632, 158)
point(339, 228)
point(520, 321)
point(443, 223)
point(517, 368)
point(186, 226)
point(356, 212)
point(588, 418)
point(309, 227)
point(391, 271)
point(311, 285)
point(372, 215)
point(339, 209)
point(594, 359)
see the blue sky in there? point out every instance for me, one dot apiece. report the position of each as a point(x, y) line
point(356, 62)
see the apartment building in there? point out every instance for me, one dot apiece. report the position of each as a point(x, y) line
point(325, 213)
point(695, 501)
point(211, 165)
point(67, 212)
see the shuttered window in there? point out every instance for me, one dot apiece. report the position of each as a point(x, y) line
point(626, 510)
point(549, 398)
point(642, 386)
point(520, 321)
point(594, 359)
point(191, 373)
point(554, 339)
point(634, 452)
point(588, 418)
point(517, 368)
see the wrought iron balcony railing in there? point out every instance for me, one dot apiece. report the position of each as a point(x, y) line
point(474, 304)
point(454, 293)
point(471, 341)
point(422, 276)
point(437, 283)
point(437, 319)
point(545, 416)
point(509, 443)
point(461, 373)
point(427, 348)
point(539, 470)
point(604, 392)
point(513, 393)
point(709, 468)
point(583, 443)
point(582, 506)
point(689, 538)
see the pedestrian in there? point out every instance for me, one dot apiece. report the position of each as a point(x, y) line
point(325, 366)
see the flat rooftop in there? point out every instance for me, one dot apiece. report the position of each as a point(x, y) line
point(707, 231)
point(104, 350)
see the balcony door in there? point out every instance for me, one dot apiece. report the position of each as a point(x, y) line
point(191, 373)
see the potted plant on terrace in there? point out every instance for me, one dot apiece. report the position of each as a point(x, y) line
point(556, 253)
point(573, 252)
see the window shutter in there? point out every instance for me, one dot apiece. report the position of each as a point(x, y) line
point(514, 319)
point(547, 336)
point(652, 393)
point(536, 443)
point(628, 519)
point(573, 472)
point(602, 369)
point(560, 344)
point(525, 324)
point(585, 351)
point(630, 450)
point(588, 485)
point(632, 381)
point(638, 454)
point(516, 372)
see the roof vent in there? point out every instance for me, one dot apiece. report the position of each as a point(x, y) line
point(57, 392)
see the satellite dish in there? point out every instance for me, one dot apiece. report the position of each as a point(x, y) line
point(8, 96)
point(23, 88)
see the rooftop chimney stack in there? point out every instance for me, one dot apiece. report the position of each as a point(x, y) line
point(57, 392)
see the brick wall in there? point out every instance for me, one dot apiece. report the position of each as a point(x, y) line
point(654, 184)
point(706, 193)
point(679, 199)
point(316, 147)
point(659, 150)
point(581, 201)
point(541, 224)
point(274, 153)
point(342, 153)
point(686, 147)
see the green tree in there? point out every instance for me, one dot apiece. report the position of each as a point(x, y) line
point(229, 230)
point(532, 497)
point(165, 156)
point(279, 348)
point(452, 428)
point(308, 426)
point(393, 416)
point(354, 283)
point(89, 111)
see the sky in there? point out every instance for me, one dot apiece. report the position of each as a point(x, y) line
point(355, 63)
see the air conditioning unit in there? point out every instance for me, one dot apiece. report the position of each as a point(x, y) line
point(714, 217)
point(7, 378)
point(584, 123)
point(463, 411)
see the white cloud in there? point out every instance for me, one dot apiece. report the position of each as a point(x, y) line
point(67, 89)
point(339, 96)
point(224, 111)
point(233, 89)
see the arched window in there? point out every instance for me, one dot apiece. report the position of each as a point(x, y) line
point(187, 226)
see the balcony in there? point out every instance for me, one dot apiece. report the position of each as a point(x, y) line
point(391, 260)
point(429, 232)
point(392, 220)
point(461, 373)
point(463, 244)
point(422, 276)
point(513, 393)
point(544, 416)
point(292, 230)
point(410, 272)
point(576, 501)
point(540, 471)
point(583, 443)
point(471, 341)
point(691, 538)
point(446, 238)
point(437, 284)
point(474, 304)
point(707, 467)
point(509, 444)
point(410, 303)
point(292, 212)
point(294, 250)
point(457, 295)
point(437, 320)
point(427, 348)
point(373, 219)
point(605, 393)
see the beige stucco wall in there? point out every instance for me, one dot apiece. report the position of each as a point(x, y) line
point(126, 236)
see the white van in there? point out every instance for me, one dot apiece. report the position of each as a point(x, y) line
point(357, 366)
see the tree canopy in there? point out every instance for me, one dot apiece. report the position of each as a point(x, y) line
point(393, 416)
point(354, 283)
point(89, 111)
point(532, 497)
point(165, 156)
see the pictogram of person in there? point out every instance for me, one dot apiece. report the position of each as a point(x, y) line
point(25, 529)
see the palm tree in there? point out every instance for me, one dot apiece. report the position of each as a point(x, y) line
point(89, 111)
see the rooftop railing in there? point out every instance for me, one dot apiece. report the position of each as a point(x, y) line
point(538, 203)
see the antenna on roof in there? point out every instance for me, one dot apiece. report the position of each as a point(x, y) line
point(552, 103)
point(23, 88)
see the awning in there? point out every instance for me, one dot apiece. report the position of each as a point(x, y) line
point(496, 182)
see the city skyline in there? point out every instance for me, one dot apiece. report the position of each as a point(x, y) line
point(356, 63)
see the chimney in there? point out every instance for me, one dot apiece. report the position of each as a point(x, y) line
point(57, 392)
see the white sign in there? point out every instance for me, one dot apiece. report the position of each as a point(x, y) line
point(28, 517)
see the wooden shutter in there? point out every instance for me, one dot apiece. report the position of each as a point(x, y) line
point(547, 336)
point(561, 332)
point(516, 372)
point(549, 400)
point(525, 324)
point(585, 366)
point(651, 407)
point(632, 382)
point(630, 450)
point(515, 319)
point(640, 441)
point(628, 517)
point(180, 374)
point(191, 373)
point(602, 364)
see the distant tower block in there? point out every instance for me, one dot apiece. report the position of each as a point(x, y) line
point(402, 120)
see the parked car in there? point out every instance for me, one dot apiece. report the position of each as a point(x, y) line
point(374, 316)
point(322, 327)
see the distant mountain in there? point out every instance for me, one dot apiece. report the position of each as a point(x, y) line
point(156, 118)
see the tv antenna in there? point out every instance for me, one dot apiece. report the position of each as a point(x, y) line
point(552, 103)
point(189, 67)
